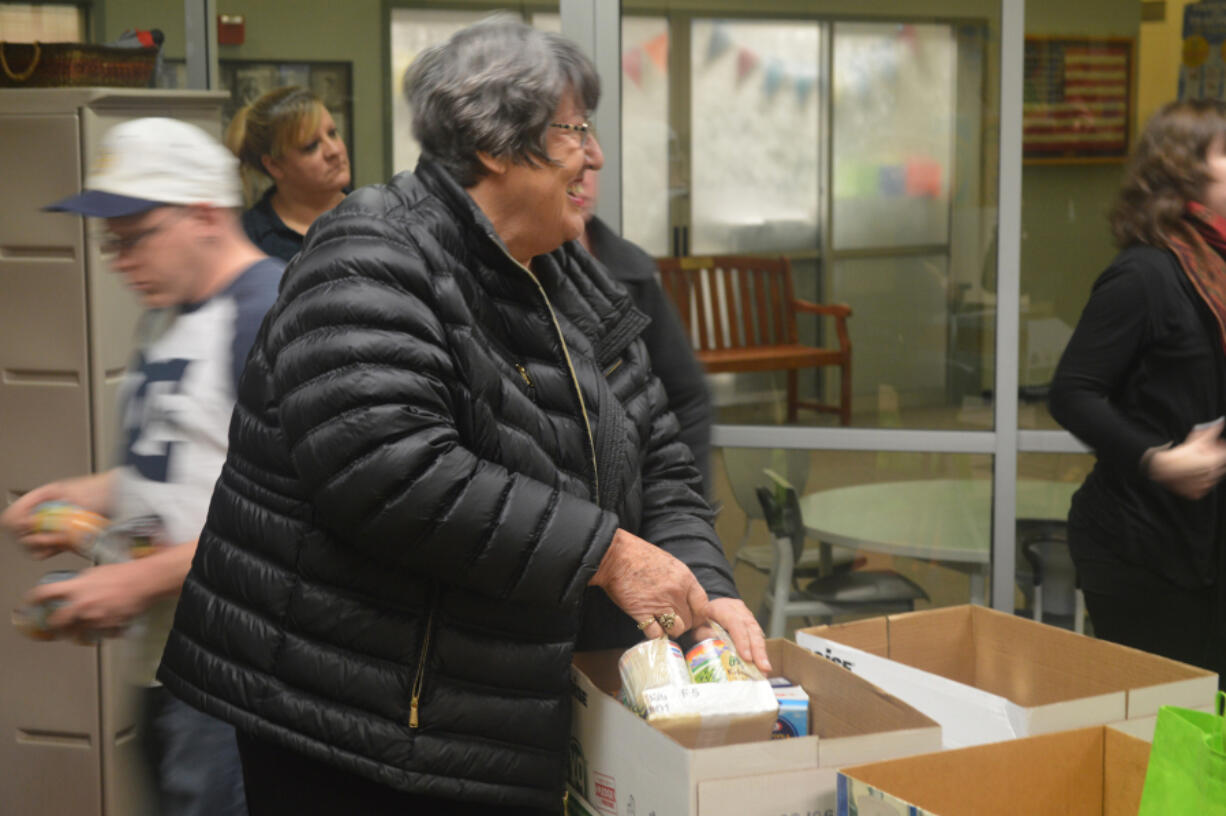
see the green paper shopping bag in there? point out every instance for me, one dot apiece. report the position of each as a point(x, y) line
point(1187, 763)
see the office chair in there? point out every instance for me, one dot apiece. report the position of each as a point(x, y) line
point(849, 592)
point(749, 468)
point(1046, 575)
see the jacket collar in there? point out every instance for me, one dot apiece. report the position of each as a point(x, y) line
point(617, 321)
point(435, 178)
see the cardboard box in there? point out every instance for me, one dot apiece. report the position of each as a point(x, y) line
point(987, 676)
point(1098, 771)
point(739, 712)
point(619, 764)
point(576, 805)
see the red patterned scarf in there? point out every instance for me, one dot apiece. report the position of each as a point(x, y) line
point(1201, 253)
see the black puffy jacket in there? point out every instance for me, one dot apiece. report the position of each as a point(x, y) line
point(431, 451)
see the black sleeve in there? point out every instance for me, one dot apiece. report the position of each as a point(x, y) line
point(675, 518)
point(1114, 330)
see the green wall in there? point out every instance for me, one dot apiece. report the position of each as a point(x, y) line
point(288, 30)
point(1065, 240)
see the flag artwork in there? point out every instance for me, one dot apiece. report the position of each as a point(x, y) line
point(1076, 102)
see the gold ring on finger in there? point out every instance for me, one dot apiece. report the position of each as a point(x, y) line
point(643, 624)
point(667, 620)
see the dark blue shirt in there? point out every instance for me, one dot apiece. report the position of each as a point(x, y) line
point(267, 231)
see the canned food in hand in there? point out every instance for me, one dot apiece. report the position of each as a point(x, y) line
point(32, 620)
point(79, 524)
point(714, 661)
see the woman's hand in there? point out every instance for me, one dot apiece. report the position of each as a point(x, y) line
point(91, 493)
point(649, 585)
point(741, 625)
point(1192, 468)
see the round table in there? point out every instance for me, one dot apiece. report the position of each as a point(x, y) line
point(931, 519)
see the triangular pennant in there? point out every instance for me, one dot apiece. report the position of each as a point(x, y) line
point(632, 66)
point(908, 34)
point(923, 177)
point(746, 61)
point(802, 85)
point(657, 50)
point(774, 76)
point(721, 40)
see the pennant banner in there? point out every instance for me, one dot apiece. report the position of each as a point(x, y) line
point(774, 76)
point(632, 66)
point(657, 50)
point(720, 42)
point(746, 61)
point(803, 84)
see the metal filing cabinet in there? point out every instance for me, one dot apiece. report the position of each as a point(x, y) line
point(67, 721)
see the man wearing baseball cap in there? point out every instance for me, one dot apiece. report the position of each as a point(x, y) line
point(170, 195)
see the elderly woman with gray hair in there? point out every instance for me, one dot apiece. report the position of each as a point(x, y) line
point(450, 467)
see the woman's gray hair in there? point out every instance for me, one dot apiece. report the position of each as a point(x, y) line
point(492, 88)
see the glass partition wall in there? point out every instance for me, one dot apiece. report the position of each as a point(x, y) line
point(862, 144)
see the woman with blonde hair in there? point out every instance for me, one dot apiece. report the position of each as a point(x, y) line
point(288, 137)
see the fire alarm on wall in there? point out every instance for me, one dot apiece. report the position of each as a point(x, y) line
point(231, 29)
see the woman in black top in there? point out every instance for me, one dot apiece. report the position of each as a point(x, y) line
point(672, 359)
point(1143, 382)
point(288, 137)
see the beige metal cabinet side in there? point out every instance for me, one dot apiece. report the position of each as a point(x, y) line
point(67, 718)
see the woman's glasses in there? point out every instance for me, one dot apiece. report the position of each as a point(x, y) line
point(582, 129)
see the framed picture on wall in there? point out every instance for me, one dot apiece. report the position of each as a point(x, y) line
point(1077, 103)
point(246, 80)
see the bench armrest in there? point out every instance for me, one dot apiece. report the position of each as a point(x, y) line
point(832, 309)
point(839, 311)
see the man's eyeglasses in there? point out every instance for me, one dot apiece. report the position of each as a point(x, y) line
point(582, 129)
point(111, 244)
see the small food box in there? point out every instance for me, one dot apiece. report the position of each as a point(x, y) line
point(1092, 771)
point(793, 720)
point(987, 676)
point(620, 764)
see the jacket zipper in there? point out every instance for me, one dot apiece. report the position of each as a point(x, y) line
point(570, 368)
point(616, 364)
point(523, 372)
point(420, 678)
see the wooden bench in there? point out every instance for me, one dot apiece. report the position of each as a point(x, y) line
point(740, 313)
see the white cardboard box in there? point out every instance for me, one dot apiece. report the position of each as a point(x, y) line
point(987, 676)
point(620, 764)
point(1096, 771)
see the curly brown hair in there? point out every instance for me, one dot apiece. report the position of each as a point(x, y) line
point(1167, 170)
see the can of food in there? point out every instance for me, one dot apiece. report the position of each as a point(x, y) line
point(80, 525)
point(32, 620)
point(649, 665)
point(715, 661)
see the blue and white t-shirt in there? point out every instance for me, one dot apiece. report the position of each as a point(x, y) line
point(175, 409)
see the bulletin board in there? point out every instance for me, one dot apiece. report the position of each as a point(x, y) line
point(1077, 103)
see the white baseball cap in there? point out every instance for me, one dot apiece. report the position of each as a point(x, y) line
point(147, 163)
